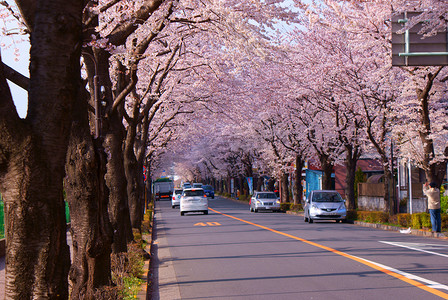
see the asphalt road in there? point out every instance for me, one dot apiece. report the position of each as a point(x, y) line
point(234, 254)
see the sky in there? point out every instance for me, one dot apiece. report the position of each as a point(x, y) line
point(15, 53)
point(19, 95)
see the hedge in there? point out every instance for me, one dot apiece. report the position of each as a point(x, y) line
point(415, 221)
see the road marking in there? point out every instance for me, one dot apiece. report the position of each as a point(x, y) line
point(406, 277)
point(208, 224)
point(419, 247)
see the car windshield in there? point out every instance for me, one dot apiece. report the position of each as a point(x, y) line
point(267, 196)
point(327, 197)
point(178, 192)
point(194, 193)
point(207, 187)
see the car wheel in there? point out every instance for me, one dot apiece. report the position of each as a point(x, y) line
point(337, 221)
point(255, 210)
point(182, 213)
point(173, 206)
point(205, 212)
point(309, 219)
point(305, 219)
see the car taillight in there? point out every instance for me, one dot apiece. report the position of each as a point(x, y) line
point(174, 198)
point(205, 195)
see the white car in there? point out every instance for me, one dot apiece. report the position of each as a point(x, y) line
point(193, 200)
point(175, 198)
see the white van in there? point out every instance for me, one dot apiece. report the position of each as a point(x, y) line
point(193, 200)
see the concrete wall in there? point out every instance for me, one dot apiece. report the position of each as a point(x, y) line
point(371, 203)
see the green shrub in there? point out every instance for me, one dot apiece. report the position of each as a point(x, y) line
point(444, 221)
point(244, 198)
point(404, 220)
point(426, 220)
point(285, 206)
point(371, 216)
point(444, 204)
point(352, 215)
point(296, 207)
point(416, 222)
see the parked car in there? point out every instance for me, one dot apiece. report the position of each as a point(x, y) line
point(324, 205)
point(175, 199)
point(208, 189)
point(186, 185)
point(264, 201)
point(197, 185)
point(193, 200)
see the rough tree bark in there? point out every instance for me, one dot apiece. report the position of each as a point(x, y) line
point(33, 151)
point(87, 195)
point(285, 187)
point(327, 169)
point(352, 155)
point(298, 188)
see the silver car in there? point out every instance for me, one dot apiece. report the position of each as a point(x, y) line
point(324, 205)
point(264, 201)
point(193, 200)
point(175, 198)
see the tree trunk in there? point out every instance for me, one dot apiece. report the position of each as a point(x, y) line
point(434, 171)
point(32, 156)
point(298, 188)
point(351, 159)
point(133, 171)
point(285, 187)
point(113, 133)
point(390, 203)
point(87, 196)
point(116, 182)
point(148, 183)
point(327, 168)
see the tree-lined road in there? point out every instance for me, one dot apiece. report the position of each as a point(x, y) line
point(234, 254)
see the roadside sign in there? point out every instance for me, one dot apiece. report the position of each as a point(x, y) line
point(410, 48)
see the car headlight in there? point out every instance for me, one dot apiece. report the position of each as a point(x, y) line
point(314, 206)
point(258, 202)
point(341, 207)
point(278, 201)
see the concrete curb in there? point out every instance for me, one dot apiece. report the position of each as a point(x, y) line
point(149, 238)
point(417, 232)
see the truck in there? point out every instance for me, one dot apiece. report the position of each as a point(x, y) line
point(163, 188)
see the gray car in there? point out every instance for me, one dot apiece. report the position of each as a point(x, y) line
point(264, 201)
point(324, 205)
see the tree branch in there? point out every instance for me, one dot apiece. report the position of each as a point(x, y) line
point(16, 77)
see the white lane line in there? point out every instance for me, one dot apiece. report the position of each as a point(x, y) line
point(429, 283)
point(408, 246)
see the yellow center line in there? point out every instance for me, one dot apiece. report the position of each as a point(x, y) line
point(358, 259)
